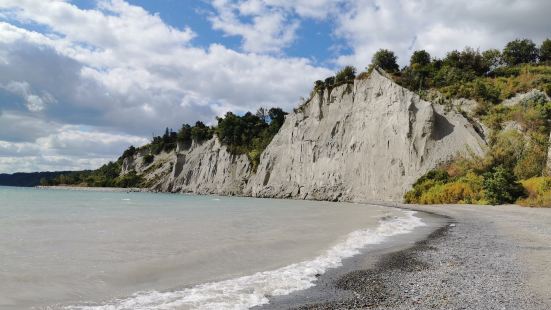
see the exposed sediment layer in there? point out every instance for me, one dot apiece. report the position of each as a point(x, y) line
point(365, 141)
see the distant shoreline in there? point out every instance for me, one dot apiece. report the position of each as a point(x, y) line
point(97, 189)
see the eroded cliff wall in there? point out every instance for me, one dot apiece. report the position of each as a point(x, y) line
point(367, 141)
point(363, 142)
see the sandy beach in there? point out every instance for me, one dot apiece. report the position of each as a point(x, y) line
point(468, 257)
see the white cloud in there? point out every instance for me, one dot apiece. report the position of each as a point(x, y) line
point(438, 26)
point(118, 68)
point(268, 25)
point(55, 145)
point(121, 70)
point(269, 30)
point(35, 103)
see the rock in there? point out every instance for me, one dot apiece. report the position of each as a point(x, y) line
point(366, 142)
point(207, 168)
point(519, 98)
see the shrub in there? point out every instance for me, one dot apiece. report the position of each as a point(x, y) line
point(466, 189)
point(347, 74)
point(539, 192)
point(501, 186)
point(148, 159)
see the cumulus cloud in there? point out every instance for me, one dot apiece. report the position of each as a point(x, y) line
point(35, 103)
point(437, 26)
point(31, 144)
point(267, 25)
point(121, 69)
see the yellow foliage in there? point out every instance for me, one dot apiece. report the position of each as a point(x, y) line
point(467, 189)
point(539, 192)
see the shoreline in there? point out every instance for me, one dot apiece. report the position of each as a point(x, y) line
point(97, 189)
point(480, 257)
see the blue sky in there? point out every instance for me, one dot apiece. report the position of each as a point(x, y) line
point(83, 79)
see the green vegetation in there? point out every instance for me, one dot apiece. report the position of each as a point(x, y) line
point(107, 175)
point(344, 76)
point(251, 133)
point(385, 60)
point(248, 134)
point(519, 134)
point(538, 190)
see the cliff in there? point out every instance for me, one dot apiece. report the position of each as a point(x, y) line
point(369, 140)
point(203, 168)
point(361, 142)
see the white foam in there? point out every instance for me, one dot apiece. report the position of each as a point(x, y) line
point(253, 290)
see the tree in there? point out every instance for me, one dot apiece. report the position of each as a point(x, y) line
point(347, 73)
point(386, 60)
point(319, 84)
point(184, 135)
point(545, 51)
point(129, 152)
point(200, 132)
point(468, 60)
point(330, 81)
point(520, 51)
point(492, 58)
point(501, 186)
point(421, 57)
point(262, 113)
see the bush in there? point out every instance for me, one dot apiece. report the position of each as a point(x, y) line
point(148, 159)
point(347, 74)
point(539, 192)
point(501, 186)
point(442, 190)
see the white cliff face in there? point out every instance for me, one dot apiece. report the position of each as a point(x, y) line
point(365, 142)
point(204, 168)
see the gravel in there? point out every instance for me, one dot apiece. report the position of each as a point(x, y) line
point(474, 260)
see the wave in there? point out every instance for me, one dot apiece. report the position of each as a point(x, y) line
point(254, 290)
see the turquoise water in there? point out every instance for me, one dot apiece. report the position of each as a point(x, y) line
point(116, 250)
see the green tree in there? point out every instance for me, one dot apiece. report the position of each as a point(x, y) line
point(201, 132)
point(386, 60)
point(330, 81)
point(545, 51)
point(501, 186)
point(421, 57)
point(492, 58)
point(520, 51)
point(468, 60)
point(129, 152)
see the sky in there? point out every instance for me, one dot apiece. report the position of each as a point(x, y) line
point(81, 80)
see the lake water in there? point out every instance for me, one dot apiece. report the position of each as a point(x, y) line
point(64, 249)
